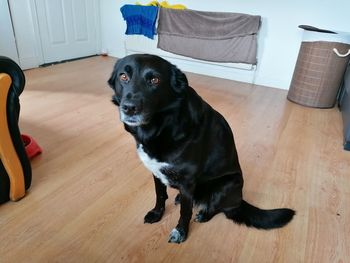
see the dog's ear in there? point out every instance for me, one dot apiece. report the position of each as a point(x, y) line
point(114, 75)
point(112, 84)
point(111, 81)
point(116, 100)
point(178, 80)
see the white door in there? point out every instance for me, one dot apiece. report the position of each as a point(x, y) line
point(68, 28)
point(7, 42)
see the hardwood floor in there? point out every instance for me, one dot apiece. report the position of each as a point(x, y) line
point(90, 191)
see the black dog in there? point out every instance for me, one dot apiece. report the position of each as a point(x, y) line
point(186, 144)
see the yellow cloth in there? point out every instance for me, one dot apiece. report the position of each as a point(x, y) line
point(164, 4)
point(152, 3)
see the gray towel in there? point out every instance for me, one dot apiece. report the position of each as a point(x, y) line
point(211, 36)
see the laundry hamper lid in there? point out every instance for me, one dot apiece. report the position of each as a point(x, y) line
point(313, 34)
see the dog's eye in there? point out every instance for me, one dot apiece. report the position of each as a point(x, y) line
point(123, 77)
point(155, 81)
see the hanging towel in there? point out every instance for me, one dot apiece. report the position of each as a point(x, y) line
point(211, 36)
point(140, 20)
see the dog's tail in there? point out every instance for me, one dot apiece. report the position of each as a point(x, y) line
point(265, 219)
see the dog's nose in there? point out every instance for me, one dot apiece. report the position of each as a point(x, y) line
point(130, 108)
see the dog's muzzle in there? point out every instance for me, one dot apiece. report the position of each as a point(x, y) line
point(131, 113)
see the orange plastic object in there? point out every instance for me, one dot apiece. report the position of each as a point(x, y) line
point(8, 154)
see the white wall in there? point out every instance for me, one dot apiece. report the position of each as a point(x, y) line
point(7, 38)
point(112, 27)
point(279, 37)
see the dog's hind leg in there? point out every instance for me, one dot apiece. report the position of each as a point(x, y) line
point(204, 215)
point(219, 194)
point(208, 209)
point(157, 212)
point(177, 199)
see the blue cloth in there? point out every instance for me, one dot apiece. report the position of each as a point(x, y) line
point(140, 20)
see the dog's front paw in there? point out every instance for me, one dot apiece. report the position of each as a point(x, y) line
point(177, 236)
point(153, 216)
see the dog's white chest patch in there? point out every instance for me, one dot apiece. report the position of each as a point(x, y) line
point(153, 165)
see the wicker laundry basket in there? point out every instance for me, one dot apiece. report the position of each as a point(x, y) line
point(318, 74)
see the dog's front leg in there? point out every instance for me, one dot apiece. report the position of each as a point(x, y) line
point(179, 234)
point(161, 195)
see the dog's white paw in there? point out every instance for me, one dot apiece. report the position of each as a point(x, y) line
point(176, 236)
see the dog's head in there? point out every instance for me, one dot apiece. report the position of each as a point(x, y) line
point(145, 85)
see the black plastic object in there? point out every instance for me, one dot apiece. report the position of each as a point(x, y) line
point(9, 67)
